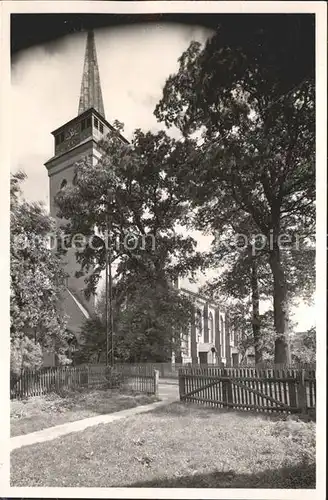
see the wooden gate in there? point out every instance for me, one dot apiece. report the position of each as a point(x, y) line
point(268, 390)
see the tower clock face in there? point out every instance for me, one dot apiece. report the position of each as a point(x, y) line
point(72, 137)
point(72, 132)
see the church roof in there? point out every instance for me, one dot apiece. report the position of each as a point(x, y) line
point(85, 114)
point(91, 95)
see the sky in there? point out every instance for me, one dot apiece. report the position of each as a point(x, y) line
point(134, 63)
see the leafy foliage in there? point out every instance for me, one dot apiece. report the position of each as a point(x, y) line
point(250, 96)
point(36, 282)
point(304, 346)
point(244, 276)
point(24, 354)
point(149, 325)
point(143, 208)
point(92, 342)
point(153, 324)
point(135, 192)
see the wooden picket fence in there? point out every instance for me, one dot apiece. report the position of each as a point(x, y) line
point(170, 370)
point(47, 380)
point(267, 390)
point(166, 370)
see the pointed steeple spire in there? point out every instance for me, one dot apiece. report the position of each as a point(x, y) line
point(91, 96)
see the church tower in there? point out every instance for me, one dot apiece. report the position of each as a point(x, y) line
point(75, 140)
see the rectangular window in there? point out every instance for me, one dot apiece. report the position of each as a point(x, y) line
point(82, 124)
point(57, 140)
point(62, 137)
point(101, 127)
point(96, 123)
point(89, 122)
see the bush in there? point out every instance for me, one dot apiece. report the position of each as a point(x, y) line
point(25, 354)
point(114, 378)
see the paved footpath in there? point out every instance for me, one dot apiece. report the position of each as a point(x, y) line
point(167, 392)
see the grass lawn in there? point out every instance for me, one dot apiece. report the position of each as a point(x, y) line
point(176, 446)
point(41, 412)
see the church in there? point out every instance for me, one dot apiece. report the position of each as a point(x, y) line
point(209, 340)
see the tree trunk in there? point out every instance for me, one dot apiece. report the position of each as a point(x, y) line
point(280, 307)
point(256, 311)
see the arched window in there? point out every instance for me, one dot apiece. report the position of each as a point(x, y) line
point(232, 335)
point(63, 184)
point(210, 328)
point(222, 342)
point(199, 328)
point(189, 342)
point(185, 342)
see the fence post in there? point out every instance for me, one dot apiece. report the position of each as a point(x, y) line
point(227, 389)
point(156, 378)
point(292, 389)
point(182, 384)
point(301, 392)
point(56, 375)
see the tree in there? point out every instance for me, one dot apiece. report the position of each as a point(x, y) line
point(245, 278)
point(36, 282)
point(304, 346)
point(143, 207)
point(134, 191)
point(153, 323)
point(92, 341)
point(250, 94)
point(241, 321)
point(25, 353)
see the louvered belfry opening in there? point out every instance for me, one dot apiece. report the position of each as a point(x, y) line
point(91, 96)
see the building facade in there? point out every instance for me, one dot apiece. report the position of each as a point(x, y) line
point(76, 140)
point(210, 339)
